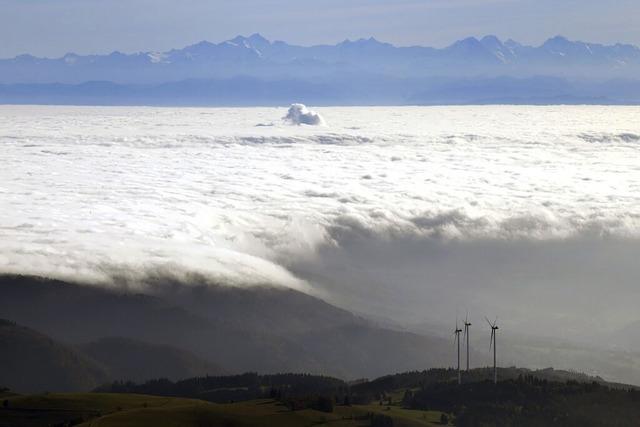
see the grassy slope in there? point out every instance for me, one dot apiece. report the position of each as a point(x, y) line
point(405, 417)
point(111, 410)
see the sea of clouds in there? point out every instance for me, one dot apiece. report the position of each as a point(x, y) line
point(531, 213)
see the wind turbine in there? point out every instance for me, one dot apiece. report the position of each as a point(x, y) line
point(466, 336)
point(457, 335)
point(494, 328)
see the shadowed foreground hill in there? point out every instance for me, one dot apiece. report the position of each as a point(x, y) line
point(31, 361)
point(262, 329)
point(128, 359)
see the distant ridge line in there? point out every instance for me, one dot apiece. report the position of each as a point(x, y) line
point(254, 71)
point(257, 37)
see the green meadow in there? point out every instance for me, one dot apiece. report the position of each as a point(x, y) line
point(128, 410)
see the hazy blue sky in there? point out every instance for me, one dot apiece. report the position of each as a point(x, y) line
point(54, 27)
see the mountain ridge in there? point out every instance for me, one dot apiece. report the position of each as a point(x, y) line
point(257, 40)
point(254, 71)
point(489, 55)
point(262, 329)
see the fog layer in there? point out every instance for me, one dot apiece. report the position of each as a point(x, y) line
point(529, 213)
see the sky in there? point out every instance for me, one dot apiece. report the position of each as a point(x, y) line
point(52, 28)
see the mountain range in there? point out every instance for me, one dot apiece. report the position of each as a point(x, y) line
point(255, 71)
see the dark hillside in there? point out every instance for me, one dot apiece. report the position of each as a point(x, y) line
point(128, 359)
point(33, 362)
point(263, 329)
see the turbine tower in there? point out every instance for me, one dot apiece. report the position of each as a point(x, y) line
point(494, 328)
point(457, 335)
point(466, 336)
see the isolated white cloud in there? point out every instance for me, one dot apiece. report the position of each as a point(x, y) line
point(299, 114)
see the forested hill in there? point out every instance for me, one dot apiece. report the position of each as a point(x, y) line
point(521, 398)
point(253, 386)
